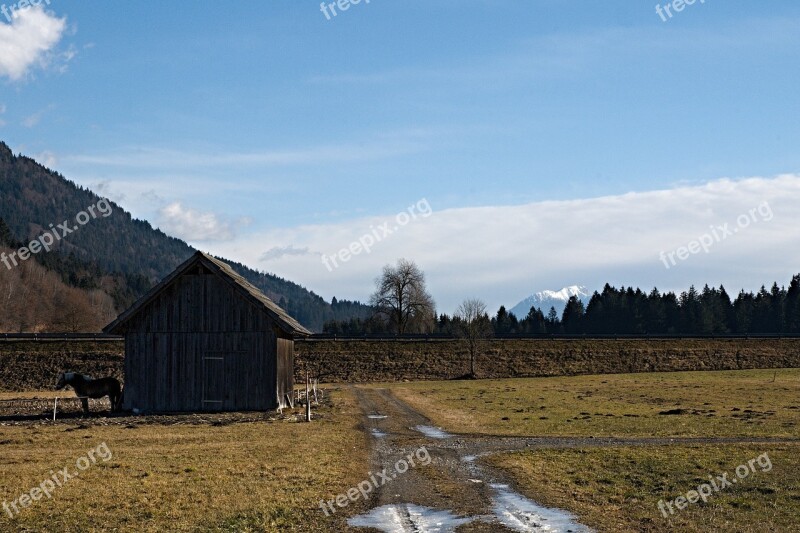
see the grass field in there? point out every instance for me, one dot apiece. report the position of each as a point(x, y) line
point(701, 404)
point(238, 477)
point(618, 488)
point(270, 476)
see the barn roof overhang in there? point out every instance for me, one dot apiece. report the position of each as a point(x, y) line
point(286, 323)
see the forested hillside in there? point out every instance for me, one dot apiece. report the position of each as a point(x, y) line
point(113, 255)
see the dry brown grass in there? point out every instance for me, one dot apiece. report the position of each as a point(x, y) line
point(618, 489)
point(238, 477)
point(741, 403)
point(36, 394)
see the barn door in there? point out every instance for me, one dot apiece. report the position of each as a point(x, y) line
point(213, 383)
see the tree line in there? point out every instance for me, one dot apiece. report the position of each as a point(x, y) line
point(402, 305)
point(634, 312)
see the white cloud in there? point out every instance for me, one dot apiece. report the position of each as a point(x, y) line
point(28, 40)
point(504, 253)
point(33, 120)
point(278, 252)
point(105, 189)
point(196, 226)
point(47, 159)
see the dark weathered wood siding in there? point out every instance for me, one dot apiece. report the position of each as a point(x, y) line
point(285, 368)
point(200, 345)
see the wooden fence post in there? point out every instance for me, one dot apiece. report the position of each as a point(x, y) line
point(308, 401)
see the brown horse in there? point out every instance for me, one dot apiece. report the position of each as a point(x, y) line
point(85, 387)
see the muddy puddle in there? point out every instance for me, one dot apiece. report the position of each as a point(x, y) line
point(509, 508)
point(481, 496)
point(408, 518)
point(433, 432)
point(521, 514)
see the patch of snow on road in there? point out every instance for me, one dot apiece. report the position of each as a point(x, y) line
point(521, 514)
point(408, 518)
point(433, 432)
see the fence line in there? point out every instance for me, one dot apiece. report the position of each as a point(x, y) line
point(320, 337)
point(34, 403)
point(44, 337)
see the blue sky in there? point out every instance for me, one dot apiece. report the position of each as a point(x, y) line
point(259, 127)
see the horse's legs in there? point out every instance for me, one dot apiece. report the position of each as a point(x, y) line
point(85, 403)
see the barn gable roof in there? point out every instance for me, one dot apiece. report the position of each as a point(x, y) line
point(225, 272)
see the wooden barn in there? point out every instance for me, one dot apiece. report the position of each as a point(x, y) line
point(204, 339)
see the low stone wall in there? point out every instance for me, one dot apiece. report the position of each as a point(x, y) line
point(376, 361)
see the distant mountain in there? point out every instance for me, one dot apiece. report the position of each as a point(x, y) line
point(546, 299)
point(116, 254)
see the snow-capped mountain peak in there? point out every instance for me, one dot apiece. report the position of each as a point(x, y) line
point(546, 299)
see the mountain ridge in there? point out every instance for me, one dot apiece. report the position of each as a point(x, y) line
point(34, 199)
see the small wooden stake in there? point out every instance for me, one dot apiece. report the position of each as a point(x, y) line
point(308, 401)
point(55, 407)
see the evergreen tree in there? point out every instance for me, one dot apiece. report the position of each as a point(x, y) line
point(534, 322)
point(572, 318)
point(792, 306)
point(552, 324)
point(501, 323)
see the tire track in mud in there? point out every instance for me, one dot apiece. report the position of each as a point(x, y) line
point(448, 494)
point(453, 492)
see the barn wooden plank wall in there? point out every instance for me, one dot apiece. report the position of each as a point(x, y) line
point(199, 344)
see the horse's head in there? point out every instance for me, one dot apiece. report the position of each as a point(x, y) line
point(64, 380)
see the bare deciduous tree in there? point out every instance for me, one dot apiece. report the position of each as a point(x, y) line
point(401, 296)
point(34, 299)
point(474, 327)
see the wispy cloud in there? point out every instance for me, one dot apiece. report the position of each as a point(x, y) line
point(34, 119)
point(504, 253)
point(28, 41)
point(278, 252)
point(197, 226)
point(164, 159)
point(577, 53)
point(47, 158)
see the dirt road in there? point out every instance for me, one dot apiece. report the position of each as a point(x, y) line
point(432, 481)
